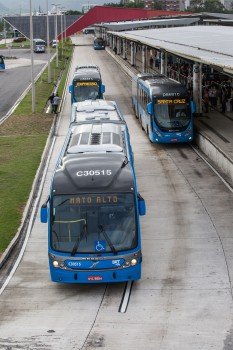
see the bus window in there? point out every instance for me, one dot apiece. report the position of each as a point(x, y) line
point(86, 92)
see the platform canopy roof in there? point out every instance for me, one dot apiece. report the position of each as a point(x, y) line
point(129, 25)
point(211, 45)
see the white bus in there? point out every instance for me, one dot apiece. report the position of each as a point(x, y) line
point(39, 45)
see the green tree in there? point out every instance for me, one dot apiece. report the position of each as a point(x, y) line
point(113, 4)
point(157, 5)
point(206, 6)
point(71, 12)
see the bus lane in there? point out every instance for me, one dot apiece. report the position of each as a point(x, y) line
point(183, 300)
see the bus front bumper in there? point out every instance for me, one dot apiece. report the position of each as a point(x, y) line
point(104, 276)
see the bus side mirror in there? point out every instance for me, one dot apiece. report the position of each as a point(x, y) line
point(70, 89)
point(102, 88)
point(193, 107)
point(141, 205)
point(44, 212)
point(149, 108)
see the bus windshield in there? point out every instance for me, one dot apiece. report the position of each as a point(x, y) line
point(40, 42)
point(86, 91)
point(93, 223)
point(172, 116)
point(1, 60)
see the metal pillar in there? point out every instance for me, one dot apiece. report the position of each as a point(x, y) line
point(144, 52)
point(119, 46)
point(162, 64)
point(197, 86)
point(125, 49)
point(132, 54)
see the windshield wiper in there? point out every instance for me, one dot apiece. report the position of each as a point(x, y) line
point(76, 245)
point(113, 249)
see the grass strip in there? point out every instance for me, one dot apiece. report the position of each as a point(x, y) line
point(22, 140)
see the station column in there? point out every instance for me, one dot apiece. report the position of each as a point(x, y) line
point(118, 45)
point(197, 86)
point(144, 53)
point(163, 69)
point(125, 49)
point(132, 56)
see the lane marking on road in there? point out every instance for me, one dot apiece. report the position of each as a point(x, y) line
point(125, 298)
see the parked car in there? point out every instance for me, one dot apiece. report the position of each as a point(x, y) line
point(19, 39)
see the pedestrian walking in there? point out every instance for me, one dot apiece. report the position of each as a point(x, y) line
point(50, 99)
point(55, 103)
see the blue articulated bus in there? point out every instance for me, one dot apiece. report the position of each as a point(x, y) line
point(2, 63)
point(99, 43)
point(93, 208)
point(163, 107)
point(86, 84)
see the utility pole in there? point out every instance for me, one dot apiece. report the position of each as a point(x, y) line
point(32, 60)
point(48, 42)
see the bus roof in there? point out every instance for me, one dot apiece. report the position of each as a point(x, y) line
point(160, 85)
point(100, 151)
point(87, 73)
point(96, 111)
point(109, 173)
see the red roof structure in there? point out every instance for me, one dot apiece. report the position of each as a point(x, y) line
point(100, 14)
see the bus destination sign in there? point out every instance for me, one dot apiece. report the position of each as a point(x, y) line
point(94, 199)
point(86, 83)
point(171, 101)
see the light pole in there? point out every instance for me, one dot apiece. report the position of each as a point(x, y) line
point(32, 60)
point(61, 35)
point(4, 29)
point(48, 42)
point(56, 5)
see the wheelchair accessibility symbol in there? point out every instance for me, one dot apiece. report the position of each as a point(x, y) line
point(100, 246)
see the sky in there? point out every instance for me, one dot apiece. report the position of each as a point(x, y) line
point(17, 6)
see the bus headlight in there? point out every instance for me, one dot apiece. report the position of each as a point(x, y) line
point(133, 262)
point(55, 263)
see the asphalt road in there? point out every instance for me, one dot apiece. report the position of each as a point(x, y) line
point(184, 299)
point(17, 76)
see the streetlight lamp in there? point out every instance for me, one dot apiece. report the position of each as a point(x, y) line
point(48, 42)
point(32, 59)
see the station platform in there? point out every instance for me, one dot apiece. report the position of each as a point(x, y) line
point(214, 131)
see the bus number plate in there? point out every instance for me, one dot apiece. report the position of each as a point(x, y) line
point(95, 278)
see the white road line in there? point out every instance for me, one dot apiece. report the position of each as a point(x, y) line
point(125, 300)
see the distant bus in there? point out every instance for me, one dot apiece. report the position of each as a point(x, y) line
point(93, 207)
point(39, 45)
point(89, 30)
point(163, 107)
point(99, 44)
point(86, 84)
point(2, 63)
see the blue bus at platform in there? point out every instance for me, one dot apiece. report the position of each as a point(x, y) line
point(99, 43)
point(2, 63)
point(93, 207)
point(163, 107)
point(86, 84)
